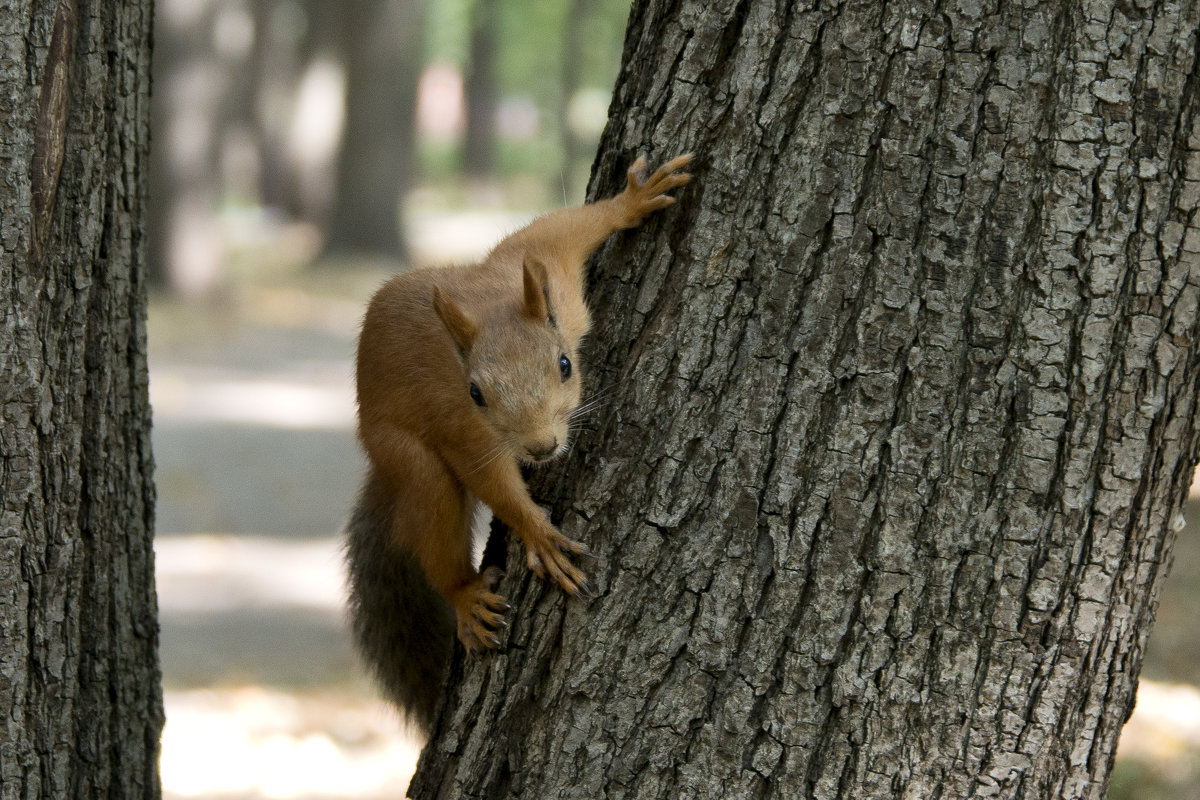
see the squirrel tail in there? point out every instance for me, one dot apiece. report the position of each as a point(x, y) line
point(402, 626)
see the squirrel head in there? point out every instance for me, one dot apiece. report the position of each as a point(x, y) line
point(519, 371)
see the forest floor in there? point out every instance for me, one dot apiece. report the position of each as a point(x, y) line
point(257, 468)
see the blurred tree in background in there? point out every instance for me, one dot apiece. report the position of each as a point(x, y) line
point(479, 144)
point(381, 53)
point(303, 111)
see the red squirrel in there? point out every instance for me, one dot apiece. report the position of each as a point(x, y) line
point(463, 375)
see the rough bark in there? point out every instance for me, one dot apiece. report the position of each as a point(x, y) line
point(900, 409)
point(79, 680)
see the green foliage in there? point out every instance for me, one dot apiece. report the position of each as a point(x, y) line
point(448, 31)
point(531, 40)
point(1133, 779)
point(530, 36)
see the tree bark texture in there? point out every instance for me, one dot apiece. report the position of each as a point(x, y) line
point(80, 690)
point(899, 410)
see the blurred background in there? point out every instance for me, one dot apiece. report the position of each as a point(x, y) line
point(303, 151)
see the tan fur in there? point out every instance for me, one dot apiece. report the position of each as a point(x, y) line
point(502, 325)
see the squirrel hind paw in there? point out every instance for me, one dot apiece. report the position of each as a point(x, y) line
point(480, 613)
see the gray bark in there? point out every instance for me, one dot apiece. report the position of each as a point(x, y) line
point(79, 680)
point(900, 410)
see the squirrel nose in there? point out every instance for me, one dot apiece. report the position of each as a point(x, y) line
point(541, 451)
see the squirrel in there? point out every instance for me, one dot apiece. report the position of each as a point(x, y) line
point(464, 374)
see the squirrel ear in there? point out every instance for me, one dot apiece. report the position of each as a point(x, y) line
point(459, 324)
point(536, 304)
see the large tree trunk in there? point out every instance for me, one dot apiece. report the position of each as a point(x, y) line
point(901, 407)
point(79, 681)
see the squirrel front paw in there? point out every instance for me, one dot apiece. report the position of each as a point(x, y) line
point(547, 554)
point(643, 197)
point(480, 611)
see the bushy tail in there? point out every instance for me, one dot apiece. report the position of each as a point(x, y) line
point(402, 626)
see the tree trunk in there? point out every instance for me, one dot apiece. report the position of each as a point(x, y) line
point(382, 49)
point(575, 33)
point(193, 79)
point(79, 680)
point(281, 55)
point(900, 410)
point(482, 94)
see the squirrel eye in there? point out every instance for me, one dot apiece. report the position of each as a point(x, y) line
point(477, 395)
point(564, 366)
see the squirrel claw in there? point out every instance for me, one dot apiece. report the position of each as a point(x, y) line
point(573, 548)
point(480, 613)
point(549, 558)
point(476, 637)
point(636, 169)
point(643, 197)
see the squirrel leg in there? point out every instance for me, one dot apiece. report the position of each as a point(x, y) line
point(433, 521)
point(565, 238)
point(480, 610)
point(645, 196)
point(547, 550)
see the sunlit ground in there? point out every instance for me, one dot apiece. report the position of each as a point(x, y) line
point(257, 466)
point(256, 741)
point(256, 469)
point(261, 740)
point(237, 739)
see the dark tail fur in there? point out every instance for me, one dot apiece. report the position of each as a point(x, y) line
point(403, 627)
